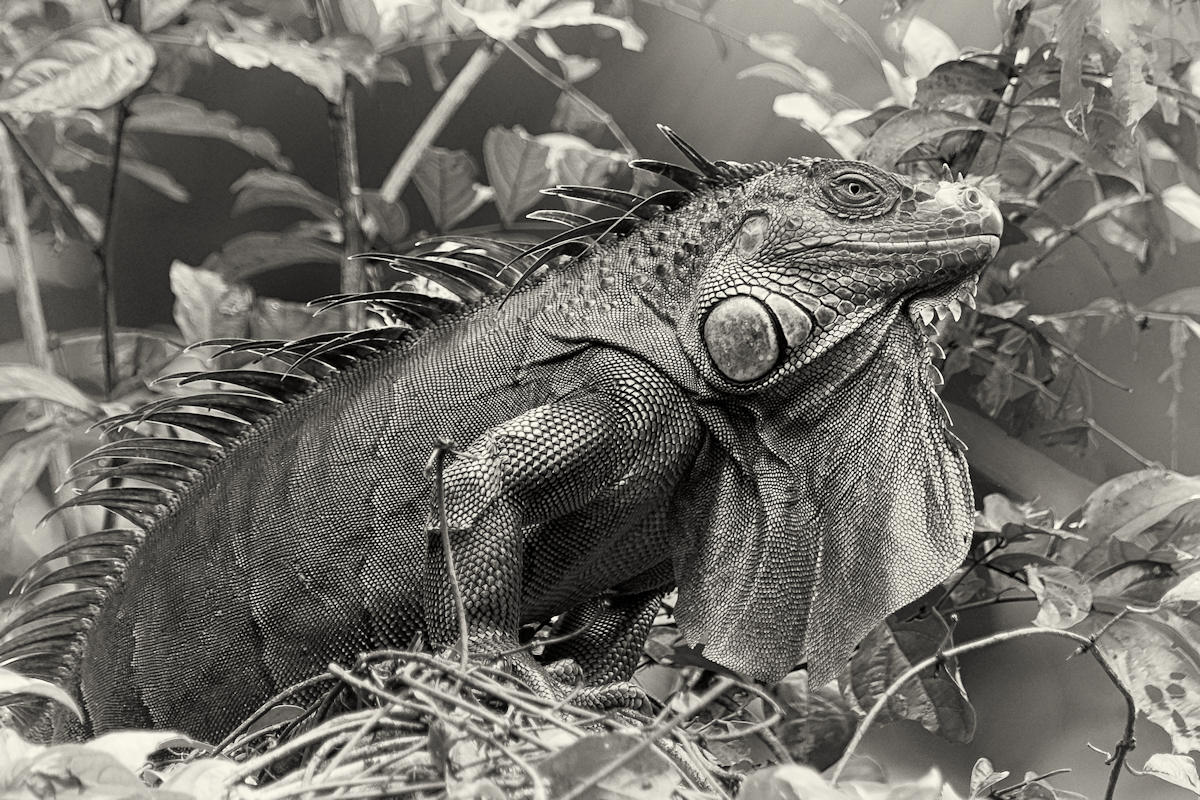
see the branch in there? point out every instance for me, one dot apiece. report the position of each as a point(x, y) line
point(1123, 746)
point(433, 124)
point(350, 203)
point(579, 97)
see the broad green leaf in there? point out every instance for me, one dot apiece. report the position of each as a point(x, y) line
point(446, 181)
point(1133, 96)
point(206, 307)
point(15, 683)
point(1186, 592)
point(1180, 301)
point(1071, 31)
point(25, 382)
point(788, 69)
point(264, 188)
point(1182, 201)
point(910, 128)
point(312, 64)
point(518, 169)
point(390, 220)
point(89, 774)
point(935, 698)
point(983, 777)
point(924, 47)
point(256, 252)
point(156, 178)
point(20, 468)
point(574, 160)
point(952, 85)
point(180, 116)
point(646, 774)
point(810, 112)
point(1155, 655)
point(574, 68)
point(92, 65)
point(789, 782)
point(155, 14)
point(133, 748)
point(1176, 769)
point(67, 263)
point(582, 12)
point(1064, 599)
point(817, 724)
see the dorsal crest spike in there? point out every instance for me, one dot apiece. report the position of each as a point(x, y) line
point(706, 167)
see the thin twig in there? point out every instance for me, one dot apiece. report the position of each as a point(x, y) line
point(433, 124)
point(964, 160)
point(579, 97)
point(1123, 746)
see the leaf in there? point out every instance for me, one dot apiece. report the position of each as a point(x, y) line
point(180, 116)
point(264, 188)
point(582, 12)
point(1070, 32)
point(390, 219)
point(15, 683)
point(280, 319)
point(361, 17)
point(983, 777)
point(647, 774)
point(1183, 202)
point(310, 63)
point(817, 725)
point(935, 698)
point(446, 181)
point(133, 748)
point(1064, 599)
point(1176, 769)
point(24, 382)
point(1185, 592)
point(924, 47)
point(788, 69)
point(20, 468)
point(910, 128)
point(67, 263)
point(256, 252)
point(575, 161)
point(88, 773)
point(951, 84)
point(1180, 301)
point(1133, 97)
point(808, 111)
point(843, 26)
point(518, 168)
point(206, 307)
point(156, 178)
point(1156, 658)
point(156, 14)
point(789, 782)
point(91, 65)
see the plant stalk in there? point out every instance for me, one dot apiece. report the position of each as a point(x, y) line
point(433, 124)
point(345, 148)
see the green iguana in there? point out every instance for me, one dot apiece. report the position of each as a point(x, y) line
point(726, 388)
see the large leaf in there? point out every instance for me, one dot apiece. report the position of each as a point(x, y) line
point(25, 382)
point(574, 160)
point(156, 178)
point(252, 253)
point(322, 66)
point(446, 181)
point(647, 774)
point(66, 263)
point(92, 65)
point(910, 128)
point(263, 188)
point(206, 307)
point(1064, 599)
point(180, 116)
point(935, 698)
point(1175, 769)
point(817, 724)
point(1071, 49)
point(518, 168)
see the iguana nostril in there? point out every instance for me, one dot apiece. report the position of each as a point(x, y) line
point(972, 199)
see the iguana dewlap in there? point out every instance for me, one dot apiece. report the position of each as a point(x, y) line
point(726, 388)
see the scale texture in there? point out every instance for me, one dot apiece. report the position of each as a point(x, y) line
point(725, 388)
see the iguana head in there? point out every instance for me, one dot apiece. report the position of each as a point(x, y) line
point(811, 323)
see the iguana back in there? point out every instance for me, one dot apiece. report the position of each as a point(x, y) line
point(655, 409)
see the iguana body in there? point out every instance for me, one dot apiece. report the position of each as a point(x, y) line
point(728, 393)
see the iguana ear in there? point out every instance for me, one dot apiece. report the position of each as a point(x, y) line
point(820, 517)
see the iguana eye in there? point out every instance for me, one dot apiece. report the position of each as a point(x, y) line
point(751, 234)
point(854, 190)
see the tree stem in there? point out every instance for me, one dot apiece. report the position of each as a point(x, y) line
point(345, 147)
point(433, 124)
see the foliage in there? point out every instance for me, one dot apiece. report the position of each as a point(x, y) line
point(1084, 98)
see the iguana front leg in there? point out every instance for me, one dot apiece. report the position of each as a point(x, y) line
point(584, 469)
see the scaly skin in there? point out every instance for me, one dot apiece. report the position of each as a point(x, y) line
point(734, 398)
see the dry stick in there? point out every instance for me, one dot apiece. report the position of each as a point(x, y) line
point(579, 97)
point(1123, 746)
point(29, 300)
point(398, 176)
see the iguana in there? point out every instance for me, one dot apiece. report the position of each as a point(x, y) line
point(726, 387)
